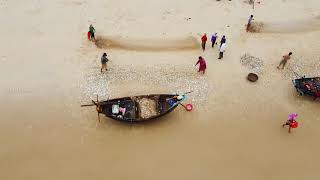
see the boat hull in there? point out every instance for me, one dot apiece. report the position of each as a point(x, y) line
point(140, 108)
point(308, 86)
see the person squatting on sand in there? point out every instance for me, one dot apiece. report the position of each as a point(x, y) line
point(203, 65)
point(104, 61)
point(249, 22)
point(291, 122)
point(214, 39)
point(204, 40)
point(223, 40)
point(284, 60)
point(91, 33)
point(222, 50)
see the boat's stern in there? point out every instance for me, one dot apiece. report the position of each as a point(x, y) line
point(297, 85)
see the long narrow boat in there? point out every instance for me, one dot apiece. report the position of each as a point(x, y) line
point(138, 108)
point(308, 86)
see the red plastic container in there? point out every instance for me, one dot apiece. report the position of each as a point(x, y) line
point(189, 107)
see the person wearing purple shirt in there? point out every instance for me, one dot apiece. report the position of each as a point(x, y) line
point(214, 39)
point(249, 22)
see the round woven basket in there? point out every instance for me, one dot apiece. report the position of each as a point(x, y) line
point(252, 77)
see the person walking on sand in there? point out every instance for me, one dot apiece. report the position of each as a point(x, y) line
point(223, 40)
point(104, 61)
point(214, 39)
point(92, 31)
point(284, 60)
point(203, 65)
point(222, 50)
point(291, 122)
point(204, 40)
point(249, 22)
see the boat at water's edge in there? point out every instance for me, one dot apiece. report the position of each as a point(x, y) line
point(139, 108)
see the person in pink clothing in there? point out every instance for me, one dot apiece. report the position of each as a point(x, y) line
point(291, 122)
point(202, 64)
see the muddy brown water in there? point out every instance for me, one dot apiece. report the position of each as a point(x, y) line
point(158, 45)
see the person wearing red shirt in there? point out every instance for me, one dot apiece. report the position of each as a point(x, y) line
point(204, 40)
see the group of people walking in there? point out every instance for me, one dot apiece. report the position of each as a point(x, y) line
point(214, 38)
point(222, 48)
point(201, 61)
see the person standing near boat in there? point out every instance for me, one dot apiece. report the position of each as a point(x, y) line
point(249, 22)
point(204, 40)
point(284, 60)
point(202, 64)
point(222, 50)
point(214, 39)
point(223, 40)
point(92, 31)
point(104, 61)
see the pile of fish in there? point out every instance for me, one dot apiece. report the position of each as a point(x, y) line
point(302, 66)
point(148, 107)
point(253, 63)
point(160, 78)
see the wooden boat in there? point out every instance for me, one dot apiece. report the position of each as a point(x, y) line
point(308, 86)
point(138, 108)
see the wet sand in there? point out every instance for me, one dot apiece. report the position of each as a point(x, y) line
point(153, 45)
point(48, 69)
point(294, 26)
